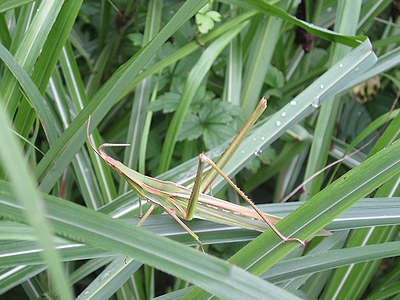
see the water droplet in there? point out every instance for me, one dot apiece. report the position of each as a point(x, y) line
point(359, 113)
point(258, 152)
point(293, 102)
point(105, 276)
point(254, 139)
point(242, 151)
point(263, 138)
point(357, 69)
point(284, 114)
point(340, 65)
point(315, 103)
point(278, 123)
point(321, 86)
point(329, 9)
point(86, 292)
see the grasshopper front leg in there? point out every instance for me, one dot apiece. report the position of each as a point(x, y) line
point(172, 213)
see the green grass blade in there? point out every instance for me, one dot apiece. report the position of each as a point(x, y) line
point(260, 54)
point(8, 5)
point(270, 9)
point(33, 94)
point(12, 277)
point(29, 199)
point(29, 50)
point(329, 260)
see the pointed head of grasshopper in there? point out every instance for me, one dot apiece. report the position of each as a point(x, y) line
point(100, 151)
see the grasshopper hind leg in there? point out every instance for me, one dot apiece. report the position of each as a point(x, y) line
point(203, 158)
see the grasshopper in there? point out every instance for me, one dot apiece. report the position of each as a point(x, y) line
point(186, 203)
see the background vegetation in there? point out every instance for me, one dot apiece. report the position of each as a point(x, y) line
point(173, 84)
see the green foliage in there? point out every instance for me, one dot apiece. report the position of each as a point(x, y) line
point(209, 120)
point(174, 79)
point(205, 19)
